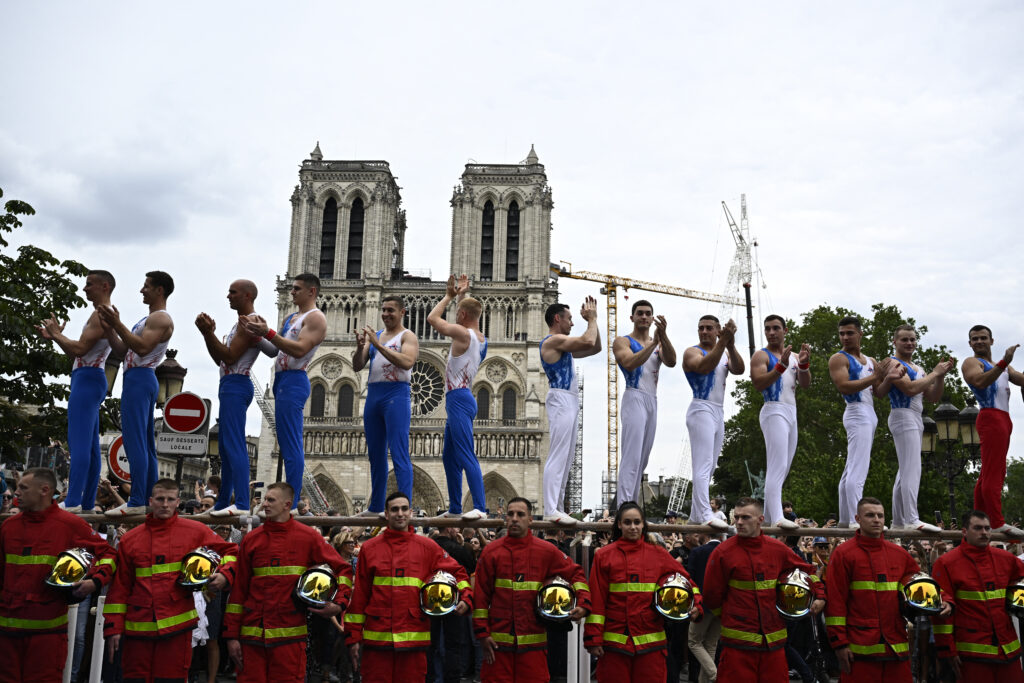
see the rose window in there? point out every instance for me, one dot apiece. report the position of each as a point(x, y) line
point(427, 388)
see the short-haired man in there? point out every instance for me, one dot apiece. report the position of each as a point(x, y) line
point(143, 348)
point(906, 423)
point(390, 353)
point(739, 587)
point(34, 616)
point(859, 378)
point(235, 356)
point(468, 348)
point(145, 606)
point(776, 376)
point(88, 389)
point(261, 612)
point(640, 356)
point(707, 365)
point(301, 335)
point(866, 575)
point(557, 351)
point(509, 573)
point(991, 386)
point(978, 641)
point(385, 622)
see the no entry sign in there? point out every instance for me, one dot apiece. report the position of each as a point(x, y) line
point(185, 413)
point(117, 461)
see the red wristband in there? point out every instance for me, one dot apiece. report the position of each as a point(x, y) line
point(270, 334)
point(804, 366)
point(780, 368)
point(1002, 364)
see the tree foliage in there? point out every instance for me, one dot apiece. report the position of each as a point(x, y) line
point(33, 285)
point(813, 483)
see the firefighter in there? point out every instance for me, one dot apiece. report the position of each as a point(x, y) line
point(739, 586)
point(865, 577)
point(264, 628)
point(146, 611)
point(624, 630)
point(978, 642)
point(33, 615)
point(509, 573)
point(387, 628)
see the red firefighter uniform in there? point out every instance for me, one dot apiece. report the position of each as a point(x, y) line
point(385, 615)
point(34, 616)
point(980, 630)
point(866, 577)
point(146, 605)
point(623, 620)
point(261, 611)
point(508, 575)
point(739, 587)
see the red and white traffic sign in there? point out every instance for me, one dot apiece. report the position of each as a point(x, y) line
point(117, 460)
point(185, 412)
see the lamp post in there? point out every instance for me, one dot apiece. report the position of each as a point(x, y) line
point(171, 377)
point(213, 448)
point(955, 431)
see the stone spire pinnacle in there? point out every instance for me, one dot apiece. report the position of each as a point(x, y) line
point(316, 154)
point(532, 158)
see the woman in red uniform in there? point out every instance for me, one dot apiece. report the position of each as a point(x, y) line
point(623, 630)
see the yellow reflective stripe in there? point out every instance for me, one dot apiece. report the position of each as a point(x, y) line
point(115, 608)
point(252, 631)
point(1011, 646)
point(398, 581)
point(481, 614)
point(345, 581)
point(462, 585)
point(228, 558)
point(31, 559)
point(278, 571)
point(595, 619)
point(258, 632)
point(8, 622)
point(874, 585)
point(388, 637)
point(717, 611)
point(649, 638)
point(977, 648)
point(110, 562)
point(517, 585)
point(835, 621)
point(355, 618)
point(160, 623)
point(867, 649)
point(529, 639)
point(233, 608)
point(158, 569)
point(632, 587)
point(615, 638)
point(749, 637)
point(696, 591)
point(753, 585)
point(942, 629)
point(900, 648)
point(580, 586)
point(999, 594)
point(775, 636)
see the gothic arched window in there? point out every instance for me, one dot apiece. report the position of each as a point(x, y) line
point(317, 401)
point(508, 405)
point(354, 267)
point(328, 237)
point(512, 243)
point(487, 243)
point(346, 399)
point(483, 404)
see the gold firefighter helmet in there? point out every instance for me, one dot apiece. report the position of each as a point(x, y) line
point(1015, 599)
point(316, 587)
point(71, 567)
point(923, 594)
point(793, 594)
point(555, 599)
point(674, 597)
point(439, 596)
point(198, 567)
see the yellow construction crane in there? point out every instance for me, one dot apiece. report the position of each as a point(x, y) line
point(610, 287)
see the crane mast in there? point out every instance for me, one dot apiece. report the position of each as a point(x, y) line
point(741, 273)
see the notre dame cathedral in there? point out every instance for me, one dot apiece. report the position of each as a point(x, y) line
point(348, 226)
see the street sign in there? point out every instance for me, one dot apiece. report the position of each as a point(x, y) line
point(117, 460)
point(186, 445)
point(185, 413)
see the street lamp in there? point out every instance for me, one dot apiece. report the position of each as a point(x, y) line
point(110, 369)
point(955, 430)
point(213, 448)
point(171, 376)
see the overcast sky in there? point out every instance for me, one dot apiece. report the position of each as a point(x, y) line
point(878, 144)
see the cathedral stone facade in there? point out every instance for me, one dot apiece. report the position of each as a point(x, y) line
point(348, 227)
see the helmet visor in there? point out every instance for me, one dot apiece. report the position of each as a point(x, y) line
point(673, 602)
point(793, 600)
point(1015, 599)
point(438, 598)
point(70, 568)
point(923, 594)
point(555, 601)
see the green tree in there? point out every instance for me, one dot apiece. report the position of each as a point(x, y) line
point(813, 481)
point(33, 285)
point(656, 507)
point(1013, 501)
